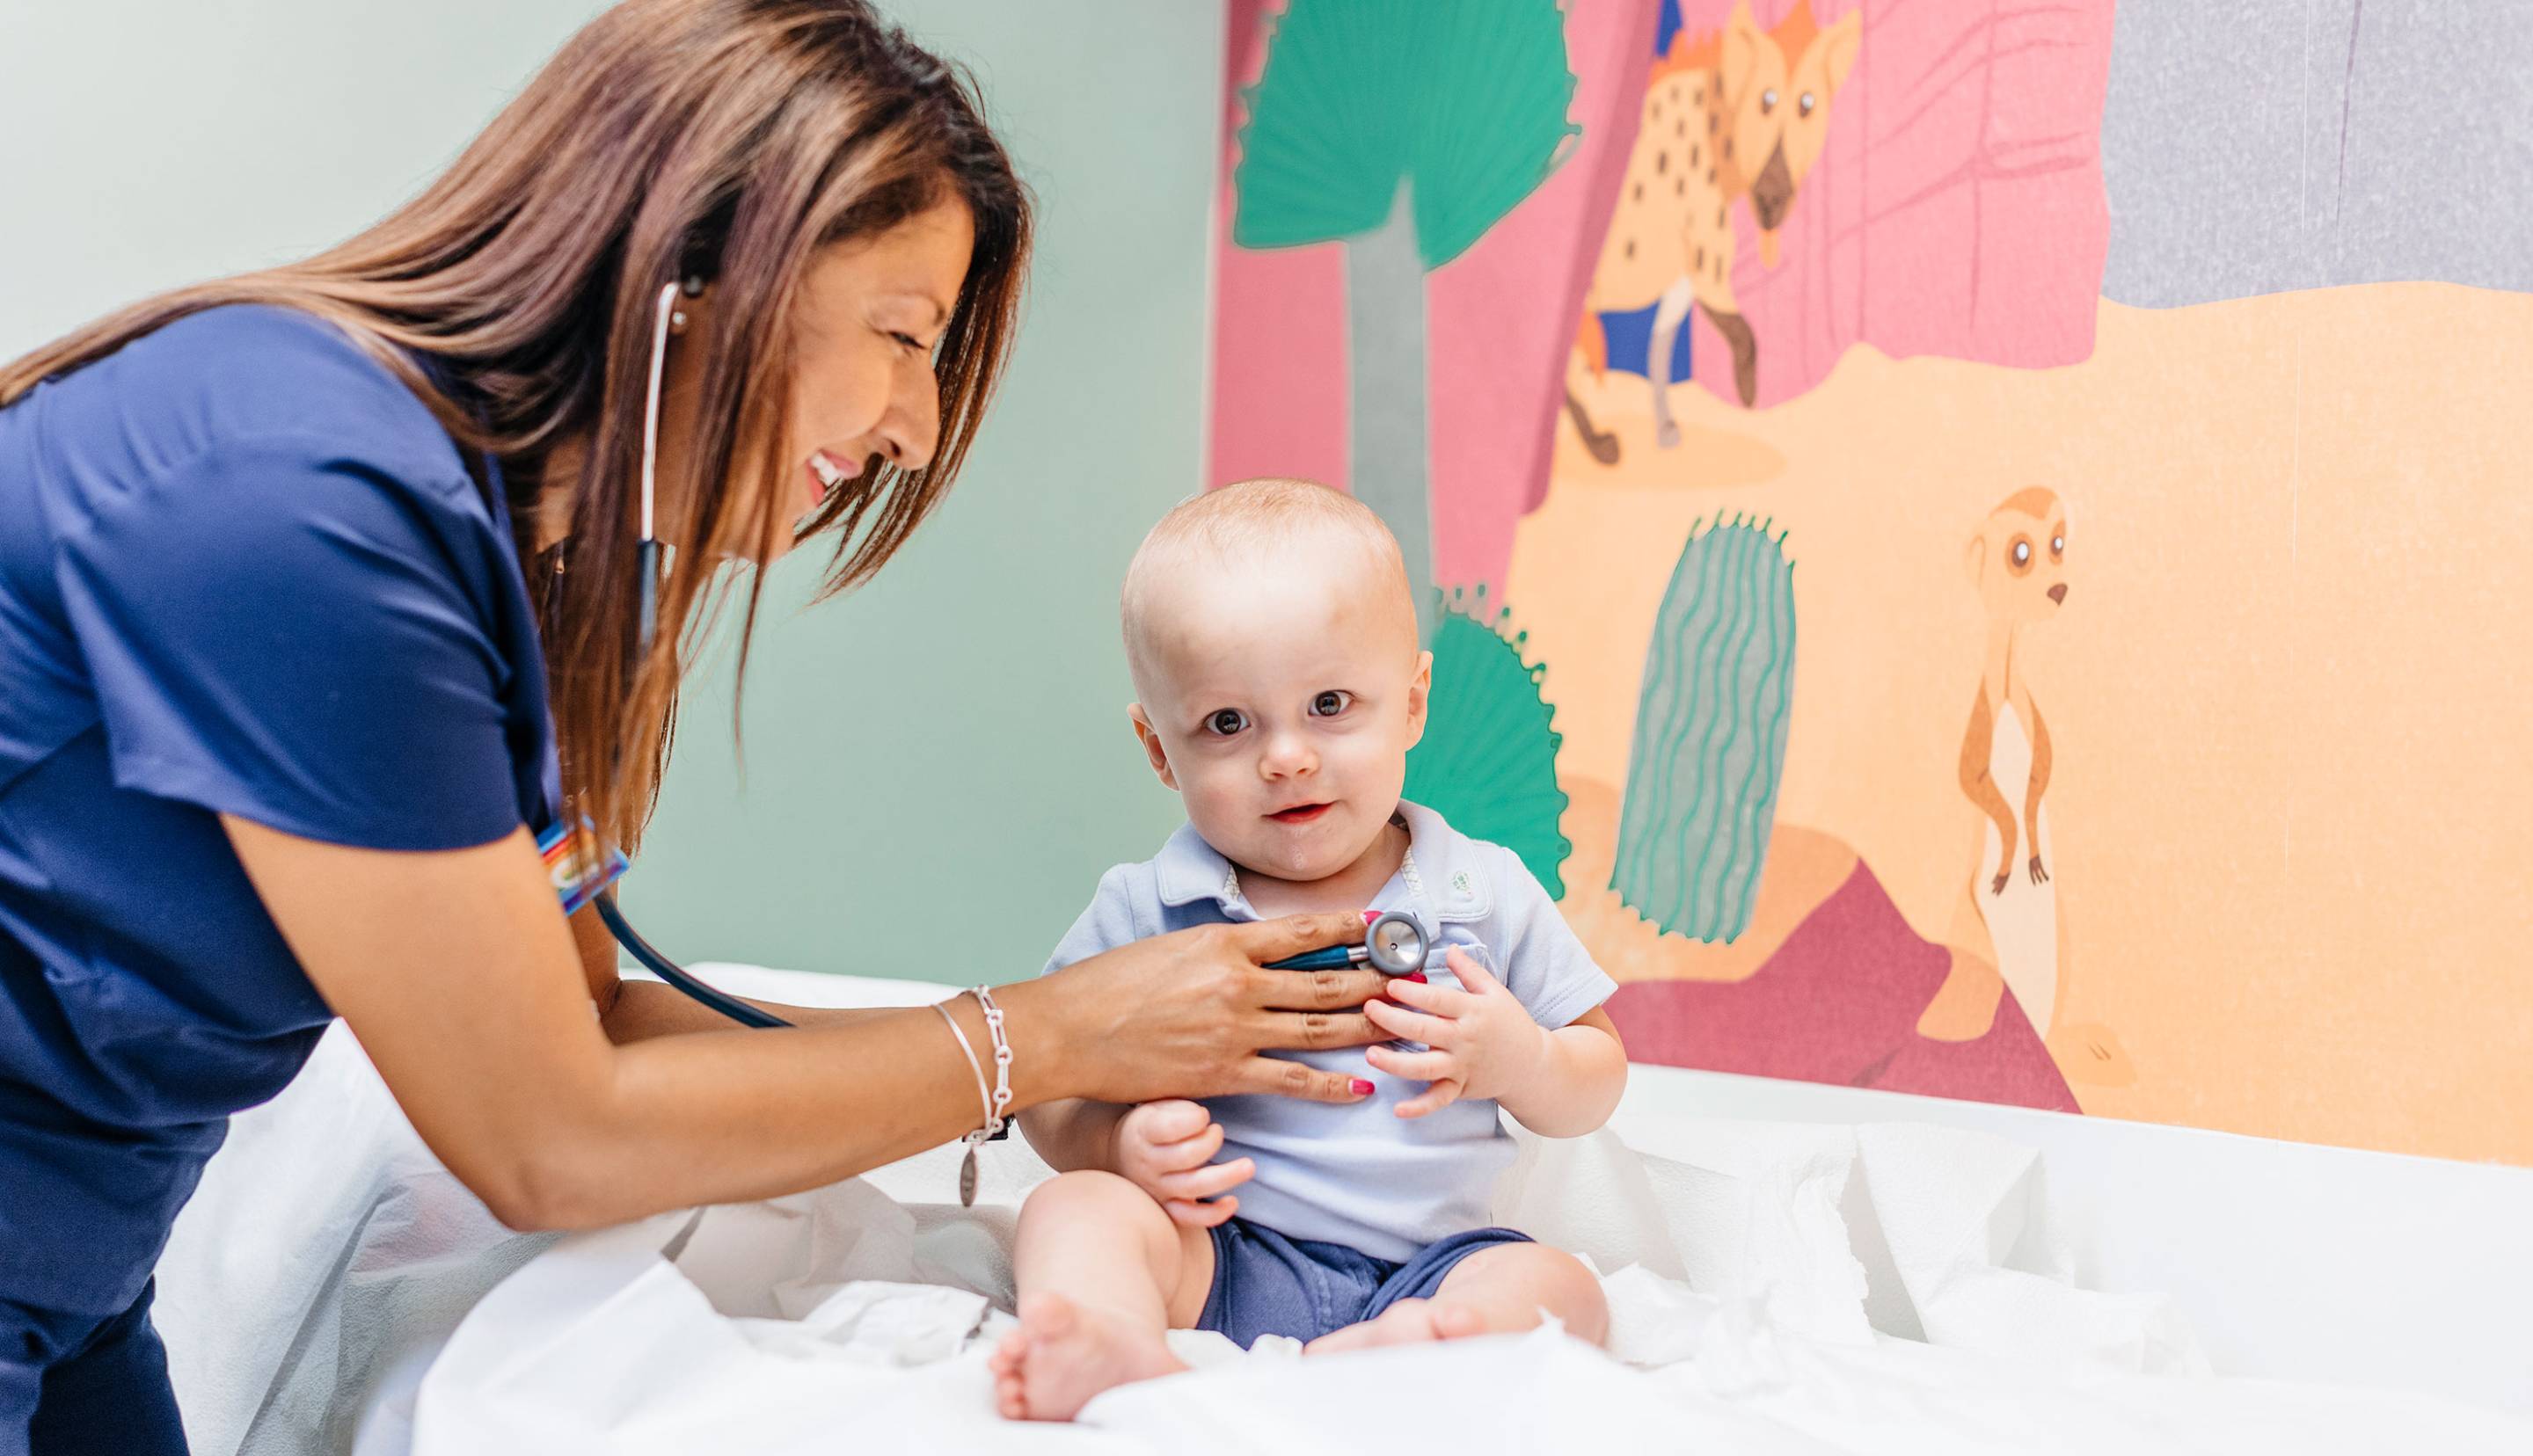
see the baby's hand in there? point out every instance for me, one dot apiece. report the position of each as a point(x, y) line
point(1484, 1042)
point(1167, 1148)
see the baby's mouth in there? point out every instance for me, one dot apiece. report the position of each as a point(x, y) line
point(1299, 813)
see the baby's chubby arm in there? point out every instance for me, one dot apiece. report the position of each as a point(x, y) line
point(1579, 1084)
point(1074, 1134)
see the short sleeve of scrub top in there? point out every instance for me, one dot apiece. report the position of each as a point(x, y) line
point(243, 570)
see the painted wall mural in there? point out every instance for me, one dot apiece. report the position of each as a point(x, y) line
point(1979, 544)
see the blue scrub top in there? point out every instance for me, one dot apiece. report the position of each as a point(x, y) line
point(242, 570)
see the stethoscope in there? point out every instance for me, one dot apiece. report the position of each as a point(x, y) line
point(1394, 944)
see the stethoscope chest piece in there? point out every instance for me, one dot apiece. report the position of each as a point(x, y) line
point(1396, 944)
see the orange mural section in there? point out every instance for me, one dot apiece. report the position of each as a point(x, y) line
point(2285, 832)
point(1915, 670)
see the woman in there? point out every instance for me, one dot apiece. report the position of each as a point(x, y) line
point(320, 600)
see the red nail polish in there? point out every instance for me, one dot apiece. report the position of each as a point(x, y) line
point(1362, 1089)
point(1371, 916)
point(1417, 976)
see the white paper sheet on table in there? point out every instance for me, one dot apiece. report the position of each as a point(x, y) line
point(330, 1258)
point(604, 1344)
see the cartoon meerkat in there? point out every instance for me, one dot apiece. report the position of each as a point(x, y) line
point(2017, 561)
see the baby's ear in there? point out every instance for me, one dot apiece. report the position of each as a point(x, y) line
point(1151, 741)
point(1420, 692)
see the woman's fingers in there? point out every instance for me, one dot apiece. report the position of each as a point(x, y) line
point(1316, 990)
point(1200, 1215)
point(1411, 1026)
point(1317, 1032)
point(1434, 1098)
point(1292, 935)
point(1206, 1182)
point(1294, 1080)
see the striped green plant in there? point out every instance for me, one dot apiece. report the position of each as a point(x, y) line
point(1487, 762)
point(1710, 744)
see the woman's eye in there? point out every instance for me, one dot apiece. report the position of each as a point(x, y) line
point(1331, 703)
point(907, 342)
point(1225, 721)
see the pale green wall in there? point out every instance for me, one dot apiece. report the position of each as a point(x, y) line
point(937, 769)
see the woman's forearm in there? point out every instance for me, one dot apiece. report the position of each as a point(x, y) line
point(642, 1010)
point(730, 1115)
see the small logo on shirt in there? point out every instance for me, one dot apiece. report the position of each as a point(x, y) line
point(580, 864)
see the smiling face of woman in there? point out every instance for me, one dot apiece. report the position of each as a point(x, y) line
point(868, 316)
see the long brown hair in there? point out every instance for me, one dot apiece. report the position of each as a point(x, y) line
point(669, 138)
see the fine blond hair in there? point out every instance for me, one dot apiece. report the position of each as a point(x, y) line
point(1270, 514)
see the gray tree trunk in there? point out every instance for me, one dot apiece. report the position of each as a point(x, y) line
point(1386, 335)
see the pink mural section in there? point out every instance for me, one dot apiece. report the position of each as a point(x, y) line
point(1280, 351)
point(1499, 319)
point(1839, 1003)
point(1957, 207)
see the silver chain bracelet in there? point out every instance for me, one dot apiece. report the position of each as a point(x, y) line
point(995, 1104)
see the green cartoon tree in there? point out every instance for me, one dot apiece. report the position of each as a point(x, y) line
point(1405, 129)
point(1487, 762)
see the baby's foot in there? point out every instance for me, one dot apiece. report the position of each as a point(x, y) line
point(1064, 1353)
point(1407, 1322)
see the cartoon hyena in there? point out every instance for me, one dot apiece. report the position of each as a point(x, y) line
point(1734, 114)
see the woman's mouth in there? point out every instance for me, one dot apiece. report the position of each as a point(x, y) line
point(823, 476)
point(1299, 813)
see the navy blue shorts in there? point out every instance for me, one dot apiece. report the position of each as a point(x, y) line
point(80, 1383)
point(1265, 1284)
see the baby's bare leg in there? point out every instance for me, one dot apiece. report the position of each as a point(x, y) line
point(1102, 1273)
point(1499, 1290)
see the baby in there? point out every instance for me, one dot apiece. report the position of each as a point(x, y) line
point(1275, 653)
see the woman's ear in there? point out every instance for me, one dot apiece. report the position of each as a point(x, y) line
point(689, 311)
point(1151, 741)
point(1419, 691)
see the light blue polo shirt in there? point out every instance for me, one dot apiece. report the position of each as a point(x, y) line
point(1360, 1175)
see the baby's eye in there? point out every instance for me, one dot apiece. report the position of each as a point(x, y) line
point(1225, 721)
point(1331, 703)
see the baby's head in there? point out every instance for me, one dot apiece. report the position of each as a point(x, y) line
point(1278, 671)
